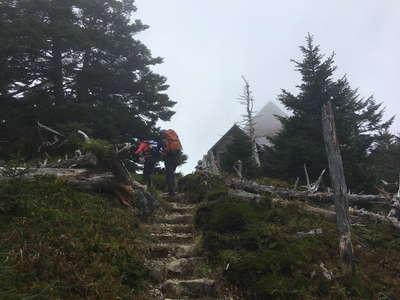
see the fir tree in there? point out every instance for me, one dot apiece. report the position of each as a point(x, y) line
point(300, 141)
point(239, 149)
point(385, 164)
point(78, 61)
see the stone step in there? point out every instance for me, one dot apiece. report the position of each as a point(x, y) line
point(179, 198)
point(180, 207)
point(183, 267)
point(173, 238)
point(202, 298)
point(175, 218)
point(172, 268)
point(172, 250)
point(195, 288)
point(168, 228)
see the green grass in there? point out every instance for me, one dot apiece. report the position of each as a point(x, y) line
point(58, 243)
point(255, 248)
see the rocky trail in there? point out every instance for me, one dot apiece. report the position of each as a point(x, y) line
point(175, 258)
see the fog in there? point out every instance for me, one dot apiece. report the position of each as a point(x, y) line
point(207, 46)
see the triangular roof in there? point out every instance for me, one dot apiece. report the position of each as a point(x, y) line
point(266, 122)
point(229, 132)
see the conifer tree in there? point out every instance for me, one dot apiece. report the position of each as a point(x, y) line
point(78, 61)
point(358, 121)
point(385, 164)
point(239, 149)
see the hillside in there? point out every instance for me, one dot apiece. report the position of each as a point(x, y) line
point(272, 251)
point(60, 243)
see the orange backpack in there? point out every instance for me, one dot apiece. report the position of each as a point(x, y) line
point(172, 142)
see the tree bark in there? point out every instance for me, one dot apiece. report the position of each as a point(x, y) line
point(57, 70)
point(82, 83)
point(339, 186)
point(247, 99)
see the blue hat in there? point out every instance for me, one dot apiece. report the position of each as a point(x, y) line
point(162, 131)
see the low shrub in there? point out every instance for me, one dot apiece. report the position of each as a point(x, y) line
point(256, 249)
point(201, 187)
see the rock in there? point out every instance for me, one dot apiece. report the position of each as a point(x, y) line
point(193, 288)
point(184, 265)
point(168, 250)
point(177, 238)
point(177, 219)
point(185, 251)
point(145, 203)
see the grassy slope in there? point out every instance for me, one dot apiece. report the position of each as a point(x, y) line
point(255, 248)
point(58, 243)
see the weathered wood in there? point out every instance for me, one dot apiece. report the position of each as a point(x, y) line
point(354, 199)
point(314, 187)
point(375, 217)
point(132, 195)
point(326, 213)
point(338, 182)
point(247, 99)
point(208, 164)
point(331, 215)
point(238, 167)
point(250, 197)
point(83, 161)
point(311, 232)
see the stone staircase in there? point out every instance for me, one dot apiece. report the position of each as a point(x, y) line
point(174, 258)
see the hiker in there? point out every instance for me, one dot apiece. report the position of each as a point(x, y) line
point(172, 151)
point(150, 152)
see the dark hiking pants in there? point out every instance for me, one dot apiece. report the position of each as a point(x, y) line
point(148, 169)
point(171, 162)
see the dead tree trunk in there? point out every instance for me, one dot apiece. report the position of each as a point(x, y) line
point(339, 186)
point(247, 99)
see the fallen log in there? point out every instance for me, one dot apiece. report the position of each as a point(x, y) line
point(331, 215)
point(131, 194)
point(84, 161)
point(326, 213)
point(354, 199)
point(250, 197)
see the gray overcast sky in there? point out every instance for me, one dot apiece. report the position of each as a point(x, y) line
point(207, 45)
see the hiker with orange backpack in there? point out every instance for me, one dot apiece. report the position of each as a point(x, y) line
point(150, 151)
point(172, 150)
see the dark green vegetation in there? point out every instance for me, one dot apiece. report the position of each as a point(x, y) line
point(202, 187)
point(240, 149)
point(359, 126)
point(76, 64)
point(58, 243)
point(369, 151)
point(255, 248)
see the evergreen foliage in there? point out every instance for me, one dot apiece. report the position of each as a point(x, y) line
point(239, 149)
point(77, 61)
point(385, 164)
point(358, 123)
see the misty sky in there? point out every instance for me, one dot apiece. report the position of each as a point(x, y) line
point(207, 45)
